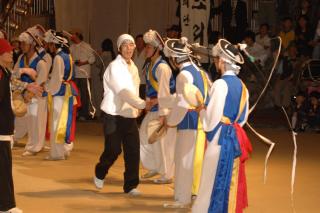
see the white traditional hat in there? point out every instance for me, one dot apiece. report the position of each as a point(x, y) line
point(177, 48)
point(228, 52)
point(38, 32)
point(51, 37)
point(153, 38)
point(26, 37)
point(122, 38)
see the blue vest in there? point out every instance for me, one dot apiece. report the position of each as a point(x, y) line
point(151, 92)
point(33, 65)
point(67, 70)
point(190, 120)
point(233, 96)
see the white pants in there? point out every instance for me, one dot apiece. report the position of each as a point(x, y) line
point(36, 124)
point(158, 156)
point(210, 163)
point(58, 150)
point(20, 127)
point(184, 154)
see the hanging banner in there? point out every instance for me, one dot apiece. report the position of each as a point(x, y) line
point(194, 20)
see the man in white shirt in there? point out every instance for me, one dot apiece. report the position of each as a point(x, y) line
point(121, 105)
point(83, 56)
point(255, 49)
point(263, 38)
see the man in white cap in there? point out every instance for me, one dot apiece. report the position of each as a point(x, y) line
point(121, 105)
point(36, 117)
point(185, 118)
point(158, 158)
point(62, 94)
point(223, 184)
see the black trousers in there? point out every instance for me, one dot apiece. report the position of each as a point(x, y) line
point(120, 132)
point(7, 200)
point(82, 85)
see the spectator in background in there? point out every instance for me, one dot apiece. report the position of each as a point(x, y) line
point(106, 54)
point(139, 59)
point(267, 12)
point(313, 111)
point(234, 19)
point(287, 34)
point(83, 57)
point(174, 32)
point(304, 9)
point(298, 112)
point(255, 49)
point(263, 38)
point(316, 43)
point(304, 37)
point(284, 81)
point(213, 40)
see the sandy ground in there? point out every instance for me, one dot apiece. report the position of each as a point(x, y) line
point(66, 186)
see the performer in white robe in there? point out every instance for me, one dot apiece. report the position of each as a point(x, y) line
point(21, 123)
point(62, 94)
point(158, 157)
point(185, 118)
point(228, 107)
point(36, 117)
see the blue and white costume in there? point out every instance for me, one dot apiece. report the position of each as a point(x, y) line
point(34, 122)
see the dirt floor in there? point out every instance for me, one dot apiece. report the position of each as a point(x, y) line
point(66, 186)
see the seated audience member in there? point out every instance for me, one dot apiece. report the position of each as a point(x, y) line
point(255, 49)
point(304, 37)
point(313, 111)
point(298, 112)
point(263, 38)
point(287, 69)
point(287, 34)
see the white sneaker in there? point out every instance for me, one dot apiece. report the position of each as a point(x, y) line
point(149, 174)
point(162, 181)
point(28, 153)
point(46, 148)
point(49, 158)
point(176, 205)
point(134, 192)
point(13, 210)
point(98, 183)
point(68, 146)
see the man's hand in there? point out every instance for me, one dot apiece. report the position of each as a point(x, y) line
point(163, 120)
point(150, 103)
point(35, 89)
point(200, 107)
point(81, 63)
point(30, 72)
